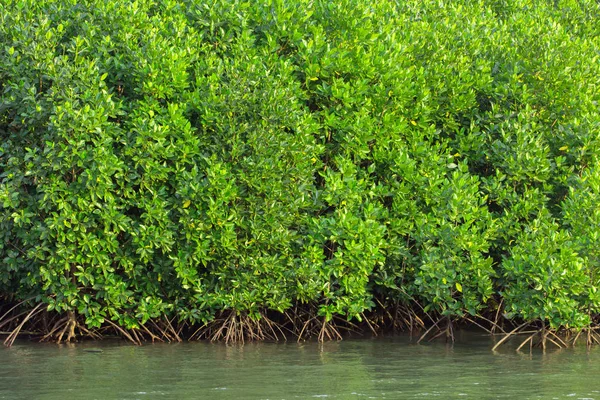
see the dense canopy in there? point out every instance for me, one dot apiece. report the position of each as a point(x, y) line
point(259, 168)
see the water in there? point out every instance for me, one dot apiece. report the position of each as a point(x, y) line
point(379, 368)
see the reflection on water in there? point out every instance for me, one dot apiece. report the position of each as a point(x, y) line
point(379, 368)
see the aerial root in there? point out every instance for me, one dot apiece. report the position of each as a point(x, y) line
point(561, 342)
point(577, 337)
point(237, 327)
point(91, 333)
point(448, 331)
point(509, 335)
point(324, 329)
point(155, 330)
point(398, 317)
point(68, 325)
point(302, 321)
point(329, 330)
point(592, 337)
point(162, 330)
point(13, 335)
point(496, 322)
point(528, 340)
point(544, 336)
point(131, 336)
point(540, 337)
point(590, 334)
point(173, 333)
point(4, 321)
point(409, 318)
point(371, 324)
point(305, 323)
point(493, 324)
point(153, 337)
point(7, 321)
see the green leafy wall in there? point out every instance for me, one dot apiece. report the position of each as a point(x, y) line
point(190, 158)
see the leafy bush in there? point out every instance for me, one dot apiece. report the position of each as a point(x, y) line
point(181, 161)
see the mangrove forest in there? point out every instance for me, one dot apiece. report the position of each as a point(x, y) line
point(290, 169)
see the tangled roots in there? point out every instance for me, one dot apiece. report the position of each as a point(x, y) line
point(235, 327)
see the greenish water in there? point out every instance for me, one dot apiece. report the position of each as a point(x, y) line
point(379, 368)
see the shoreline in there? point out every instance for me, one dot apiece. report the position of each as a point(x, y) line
point(238, 328)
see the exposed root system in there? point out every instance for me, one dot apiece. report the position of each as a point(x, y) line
point(306, 323)
point(301, 322)
point(590, 334)
point(68, 326)
point(436, 331)
point(397, 318)
point(15, 332)
point(154, 330)
point(234, 327)
point(542, 337)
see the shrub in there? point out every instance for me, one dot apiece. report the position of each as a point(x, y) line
point(186, 161)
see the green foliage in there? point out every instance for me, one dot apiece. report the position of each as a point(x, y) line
point(546, 278)
point(185, 159)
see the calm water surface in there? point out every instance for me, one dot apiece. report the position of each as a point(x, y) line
point(379, 368)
